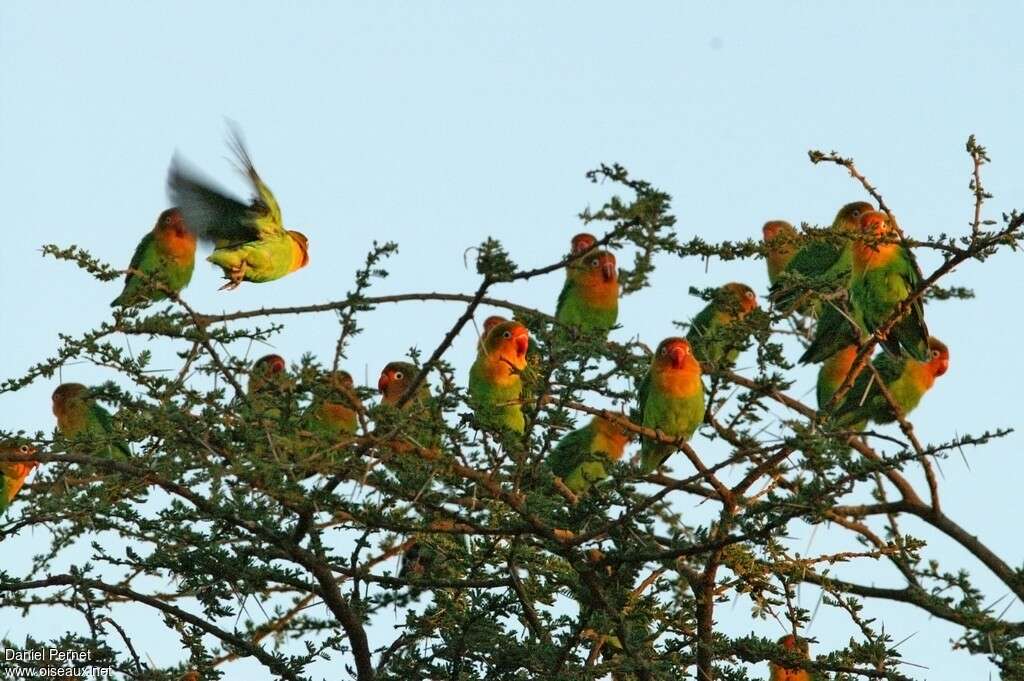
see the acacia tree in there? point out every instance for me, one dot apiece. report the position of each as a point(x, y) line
point(227, 505)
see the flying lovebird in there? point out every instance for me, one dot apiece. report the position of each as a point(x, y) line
point(711, 339)
point(885, 275)
point(820, 260)
point(590, 296)
point(333, 410)
point(907, 380)
point(13, 473)
point(798, 646)
point(167, 254)
point(495, 379)
point(580, 457)
point(250, 241)
point(781, 242)
point(671, 399)
point(78, 414)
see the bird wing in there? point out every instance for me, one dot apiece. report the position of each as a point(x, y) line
point(209, 211)
point(569, 453)
point(140, 253)
point(268, 221)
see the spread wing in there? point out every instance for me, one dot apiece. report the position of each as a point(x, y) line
point(209, 211)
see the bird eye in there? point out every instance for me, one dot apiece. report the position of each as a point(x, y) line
point(594, 262)
point(23, 449)
point(935, 354)
point(399, 375)
point(664, 350)
point(856, 212)
point(507, 334)
point(750, 294)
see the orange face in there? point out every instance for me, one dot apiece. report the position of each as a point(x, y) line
point(581, 242)
point(64, 394)
point(774, 228)
point(742, 296)
point(271, 364)
point(508, 342)
point(874, 223)
point(675, 354)
point(939, 356)
point(601, 265)
point(174, 234)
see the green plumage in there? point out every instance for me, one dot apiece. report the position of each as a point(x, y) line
point(712, 336)
point(80, 416)
point(496, 406)
point(875, 292)
point(834, 331)
point(580, 458)
point(820, 262)
point(675, 416)
point(155, 257)
point(589, 298)
point(865, 402)
point(573, 310)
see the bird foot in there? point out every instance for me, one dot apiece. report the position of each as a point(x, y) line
point(230, 286)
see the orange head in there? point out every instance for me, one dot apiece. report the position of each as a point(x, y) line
point(492, 322)
point(674, 354)
point(849, 215)
point(507, 341)
point(875, 224)
point(173, 235)
point(938, 354)
point(340, 380)
point(737, 299)
point(395, 379)
point(302, 258)
point(582, 242)
point(598, 268)
point(65, 395)
point(267, 369)
point(773, 229)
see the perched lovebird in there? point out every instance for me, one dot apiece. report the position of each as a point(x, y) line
point(820, 260)
point(781, 242)
point(250, 241)
point(590, 296)
point(834, 332)
point(671, 398)
point(495, 379)
point(833, 372)
point(884, 275)
point(166, 254)
point(795, 645)
point(13, 473)
point(333, 411)
point(907, 380)
point(395, 379)
point(709, 336)
point(267, 374)
point(580, 457)
point(78, 414)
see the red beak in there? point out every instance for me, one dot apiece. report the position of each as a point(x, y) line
point(382, 383)
point(277, 365)
point(522, 340)
point(941, 365)
point(608, 270)
point(678, 355)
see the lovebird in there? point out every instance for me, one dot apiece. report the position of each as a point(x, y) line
point(781, 242)
point(580, 457)
point(267, 374)
point(795, 645)
point(166, 254)
point(395, 379)
point(13, 473)
point(835, 331)
point(820, 260)
point(907, 380)
point(671, 399)
point(79, 415)
point(250, 241)
point(495, 379)
point(833, 372)
point(710, 337)
point(333, 410)
point(884, 275)
point(590, 296)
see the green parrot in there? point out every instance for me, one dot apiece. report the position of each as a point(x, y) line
point(13, 473)
point(781, 242)
point(495, 379)
point(269, 388)
point(884, 275)
point(709, 336)
point(395, 379)
point(834, 370)
point(671, 399)
point(580, 457)
point(795, 645)
point(78, 415)
point(250, 241)
point(590, 297)
point(833, 333)
point(333, 411)
point(819, 260)
point(167, 254)
point(907, 380)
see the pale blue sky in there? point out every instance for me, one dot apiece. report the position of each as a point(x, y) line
point(437, 124)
